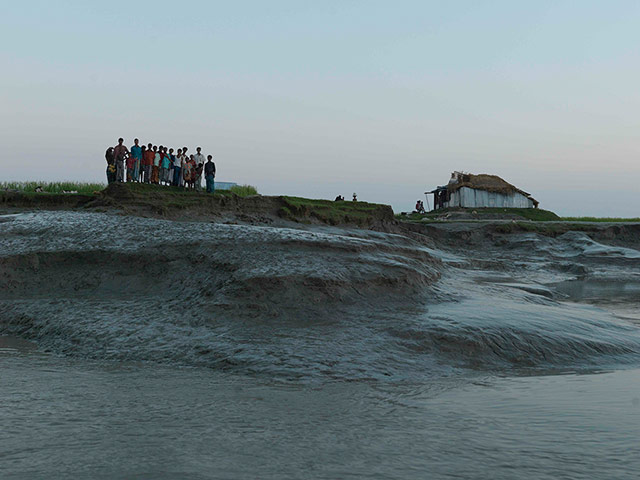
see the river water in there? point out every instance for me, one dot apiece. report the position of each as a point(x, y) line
point(148, 349)
point(65, 418)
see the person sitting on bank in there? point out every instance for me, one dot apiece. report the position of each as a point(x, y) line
point(210, 174)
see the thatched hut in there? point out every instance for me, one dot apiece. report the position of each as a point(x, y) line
point(480, 191)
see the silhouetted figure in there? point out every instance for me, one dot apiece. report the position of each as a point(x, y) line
point(210, 174)
point(200, 161)
point(140, 177)
point(121, 152)
point(172, 161)
point(111, 165)
point(136, 160)
point(148, 163)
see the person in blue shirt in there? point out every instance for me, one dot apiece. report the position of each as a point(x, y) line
point(165, 162)
point(136, 154)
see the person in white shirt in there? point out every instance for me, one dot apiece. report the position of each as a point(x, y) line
point(177, 166)
point(200, 159)
point(155, 170)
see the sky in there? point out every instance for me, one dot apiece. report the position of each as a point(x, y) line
point(322, 98)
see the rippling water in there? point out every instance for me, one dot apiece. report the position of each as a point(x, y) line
point(142, 348)
point(65, 418)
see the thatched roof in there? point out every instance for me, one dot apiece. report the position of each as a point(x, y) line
point(489, 183)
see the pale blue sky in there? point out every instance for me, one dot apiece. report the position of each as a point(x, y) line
point(321, 98)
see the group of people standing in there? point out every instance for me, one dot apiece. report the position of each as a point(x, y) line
point(159, 165)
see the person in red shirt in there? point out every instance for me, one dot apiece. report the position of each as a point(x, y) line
point(155, 166)
point(141, 167)
point(147, 160)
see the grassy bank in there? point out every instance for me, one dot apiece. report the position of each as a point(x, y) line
point(534, 214)
point(94, 188)
point(241, 202)
point(600, 219)
point(243, 190)
point(53, 187)
point(159, 199)
point(244, 202)
point(142, 188)
point(334, 213)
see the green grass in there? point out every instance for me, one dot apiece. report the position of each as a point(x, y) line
point(152, 189)
point(53, 187)
point(599, 219)
point(90, 188)
point(243, 190)
point(535, 214)
point(331, 212)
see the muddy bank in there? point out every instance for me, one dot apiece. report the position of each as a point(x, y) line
point(12, 200)
point(479, 234)
point(318, 301)
point(178, 204)
point(111, 287)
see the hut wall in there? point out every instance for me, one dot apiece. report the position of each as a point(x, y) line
point(471, 198)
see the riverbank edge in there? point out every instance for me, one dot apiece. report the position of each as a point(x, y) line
point(181, 204)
